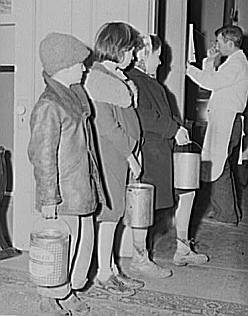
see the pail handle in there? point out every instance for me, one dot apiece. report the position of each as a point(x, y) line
point(184, 145)
point(132, 180)
point(194, 142)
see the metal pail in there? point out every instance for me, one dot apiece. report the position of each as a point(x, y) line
point(48, 257)
point(186, 170)
point(139, 205)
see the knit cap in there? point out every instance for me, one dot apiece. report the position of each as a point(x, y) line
point(59, 51)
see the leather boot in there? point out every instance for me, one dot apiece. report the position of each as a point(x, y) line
point(186, 255)
point(142, 264)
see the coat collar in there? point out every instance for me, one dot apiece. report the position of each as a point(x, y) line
point(238, 53)
point(100, 67)
point(73, 97)
point(136, 72)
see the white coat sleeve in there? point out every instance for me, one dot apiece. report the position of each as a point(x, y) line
point(210, 79)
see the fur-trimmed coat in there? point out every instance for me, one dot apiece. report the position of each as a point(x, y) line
point(118, 131)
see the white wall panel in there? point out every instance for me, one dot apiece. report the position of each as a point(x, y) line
point(138, 14)
point(82, 20)
point(53, 15)
point(89, 15)
point(7, 40)
point(107, 11)
point(50, 16)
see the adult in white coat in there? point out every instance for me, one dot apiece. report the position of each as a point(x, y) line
point(229, 86)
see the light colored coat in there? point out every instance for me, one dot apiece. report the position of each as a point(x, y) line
point(229, 86)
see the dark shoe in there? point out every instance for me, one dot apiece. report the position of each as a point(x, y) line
point(9, 252)
point(114, 286)
point(130, 282)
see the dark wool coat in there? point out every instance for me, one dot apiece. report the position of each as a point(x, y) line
point(158, 129)
point(61, 150)
point(118, 132)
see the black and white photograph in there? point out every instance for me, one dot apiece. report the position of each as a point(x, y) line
point(124, 157)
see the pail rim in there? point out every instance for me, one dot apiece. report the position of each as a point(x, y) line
point(186, 153)
point(51, 234)
point(188, 148)
point(140, 186)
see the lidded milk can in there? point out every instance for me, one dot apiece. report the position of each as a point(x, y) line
point(49, 252)
point(139, 205)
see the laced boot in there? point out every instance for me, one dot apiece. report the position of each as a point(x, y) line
point(114, 286)
point(142, 264)
point(186, 255)
point(129, 282)
point(71, 305)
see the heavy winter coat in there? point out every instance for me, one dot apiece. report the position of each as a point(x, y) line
point(61, 150)
point(159, 129)
point(118, 132)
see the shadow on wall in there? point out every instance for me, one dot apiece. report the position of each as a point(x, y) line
point(245, 45)
point(163, 72)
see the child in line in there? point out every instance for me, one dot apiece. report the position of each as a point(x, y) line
point(60, 150)
point(160, 131)
point(117, 125)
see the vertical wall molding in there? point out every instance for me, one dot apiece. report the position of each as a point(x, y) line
point(152, 7)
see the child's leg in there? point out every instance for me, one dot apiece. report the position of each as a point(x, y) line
point(139, 238)
point(82, 231)
point(184, 254)
point(105, 246)
point(128, 281)
point(81, 247)
point(106, 278)
point(183, 213)
point(82, 239)
point(140, 261)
